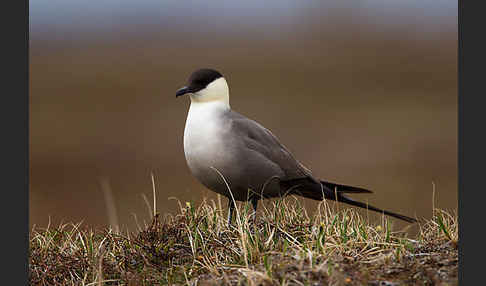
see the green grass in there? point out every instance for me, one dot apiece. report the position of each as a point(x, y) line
point(283, 246)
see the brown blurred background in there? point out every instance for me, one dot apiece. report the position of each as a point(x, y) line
point(363, 93)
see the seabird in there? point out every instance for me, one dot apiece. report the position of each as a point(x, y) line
point(238, 158)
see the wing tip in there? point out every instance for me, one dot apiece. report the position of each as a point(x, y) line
point(345, 189)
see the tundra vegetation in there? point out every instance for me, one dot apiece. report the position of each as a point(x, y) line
point(282, 245)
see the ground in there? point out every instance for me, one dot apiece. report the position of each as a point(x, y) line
point(282, 245)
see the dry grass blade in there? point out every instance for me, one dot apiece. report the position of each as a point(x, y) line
point(110, 203)
point(284, 246)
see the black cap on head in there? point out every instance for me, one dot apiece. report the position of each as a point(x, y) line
point(199, 80)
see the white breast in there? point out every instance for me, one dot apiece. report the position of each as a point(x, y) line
point(203, 133)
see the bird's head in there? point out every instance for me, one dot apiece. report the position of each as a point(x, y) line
point(206, 85)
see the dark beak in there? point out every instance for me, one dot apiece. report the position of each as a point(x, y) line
point(183, 91)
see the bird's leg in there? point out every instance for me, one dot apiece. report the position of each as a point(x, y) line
point(254, 202)
point(231, 208)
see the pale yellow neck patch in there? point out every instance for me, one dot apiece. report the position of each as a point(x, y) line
point(217, 91)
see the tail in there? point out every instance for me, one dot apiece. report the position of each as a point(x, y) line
point(343, 199)
point(309, 188)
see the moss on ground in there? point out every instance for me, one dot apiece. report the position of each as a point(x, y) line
point(283, 246)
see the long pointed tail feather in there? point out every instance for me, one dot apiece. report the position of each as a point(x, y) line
point(311, 189)
point(349, 201)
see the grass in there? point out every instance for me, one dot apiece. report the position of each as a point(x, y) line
point(284, 245)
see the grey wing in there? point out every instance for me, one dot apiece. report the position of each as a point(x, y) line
point(261, 140)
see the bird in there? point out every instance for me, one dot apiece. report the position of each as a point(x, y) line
point(240, 159)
